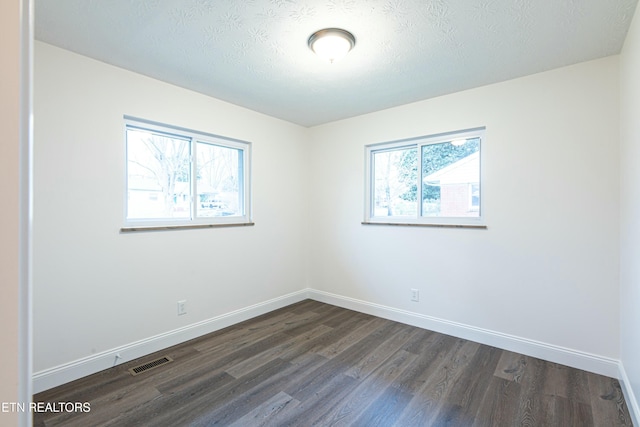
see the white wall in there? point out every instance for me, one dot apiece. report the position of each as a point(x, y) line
point(96, 289)
point(546, 269)
point(9, 214)
point(630, 211)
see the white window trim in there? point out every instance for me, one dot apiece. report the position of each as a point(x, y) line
point(418, 220)
point(193, 222)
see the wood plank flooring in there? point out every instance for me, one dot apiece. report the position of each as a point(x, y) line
point(316, 364)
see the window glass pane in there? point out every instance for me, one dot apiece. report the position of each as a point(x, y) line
point(474, 192)
point(395, 182)
point(219, 172)
point(451, 178)
point(158, 183)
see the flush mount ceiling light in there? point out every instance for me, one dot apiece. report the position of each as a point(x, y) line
point(331, 44)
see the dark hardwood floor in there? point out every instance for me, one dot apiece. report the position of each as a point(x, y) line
point(316, 364)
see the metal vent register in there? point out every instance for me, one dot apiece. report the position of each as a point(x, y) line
point(150, 365)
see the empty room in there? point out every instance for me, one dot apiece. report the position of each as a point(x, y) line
point(231, 223)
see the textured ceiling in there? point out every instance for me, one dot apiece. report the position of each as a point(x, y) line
point(254, 53)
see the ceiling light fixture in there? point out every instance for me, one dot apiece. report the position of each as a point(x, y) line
point(331, 44)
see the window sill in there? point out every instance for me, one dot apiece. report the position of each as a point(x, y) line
point(406, 224)
point(183, 227)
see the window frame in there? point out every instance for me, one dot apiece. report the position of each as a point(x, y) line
point(418, 219)
point(193, 137)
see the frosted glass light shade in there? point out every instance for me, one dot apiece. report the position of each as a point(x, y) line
point(331, 44)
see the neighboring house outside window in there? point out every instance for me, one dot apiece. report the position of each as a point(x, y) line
point(457, 182)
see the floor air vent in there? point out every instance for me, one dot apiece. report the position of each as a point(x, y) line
point(150, 365)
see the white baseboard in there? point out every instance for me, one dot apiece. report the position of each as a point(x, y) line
point(629, 395)
point(565, 356)
point(53, 377)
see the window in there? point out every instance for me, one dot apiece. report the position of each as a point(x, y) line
point(427, 180)
point(181, 177)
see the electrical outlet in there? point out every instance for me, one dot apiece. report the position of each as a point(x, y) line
point(415, 295)
point(182, 307)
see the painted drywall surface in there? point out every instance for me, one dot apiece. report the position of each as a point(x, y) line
point(630, 206)
point(9, 214)
point(546, 268)
point(95, 288)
